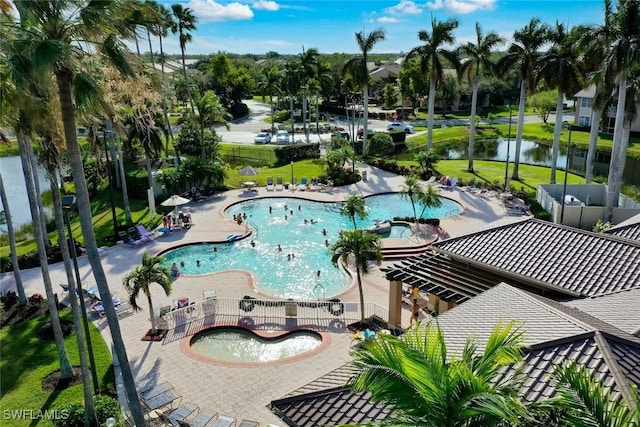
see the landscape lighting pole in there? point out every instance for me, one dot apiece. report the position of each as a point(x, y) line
point(566, 173)
point(69, 203)
point(506, 169)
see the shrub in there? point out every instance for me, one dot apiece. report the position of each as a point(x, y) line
point(106, 407)
point(71, 414)
point(36, 299)
point(381, 144)
point(9, 299)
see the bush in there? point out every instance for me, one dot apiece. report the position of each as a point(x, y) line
point(71, 414)
point(106, 407)
point(36, 299)
point(9, 299)
point(391, 166)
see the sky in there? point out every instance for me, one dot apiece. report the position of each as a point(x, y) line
point(288, 26)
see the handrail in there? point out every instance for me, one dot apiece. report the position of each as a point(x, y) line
point(254, 226)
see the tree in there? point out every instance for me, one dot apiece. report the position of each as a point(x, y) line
point(354, 206)
point(17, 275)
point(426, 159)
point(390, 96)
point(523, 56)
point(58, 36)
point(151, 271)
point(560, 68)
point(184, 21)
point(583, 401)
point(209, 113)
point(478, 61)
point(381, 144)
point(412, 189)
point(362, 247)
point(429, 198)
point(623, 56)
point(356, 67)
point(544, 102)
point(425, 385)
point(431, 54)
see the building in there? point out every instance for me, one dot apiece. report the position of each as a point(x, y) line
point(584, 103)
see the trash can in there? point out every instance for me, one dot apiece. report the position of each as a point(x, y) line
point(364, 175)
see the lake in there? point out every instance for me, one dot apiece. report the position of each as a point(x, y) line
point(13, 180)
point(530, 152)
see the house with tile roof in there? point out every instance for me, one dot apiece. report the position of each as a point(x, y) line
point(584, 108)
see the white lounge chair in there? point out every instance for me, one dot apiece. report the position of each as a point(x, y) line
point(270, 186)
point(279, 186)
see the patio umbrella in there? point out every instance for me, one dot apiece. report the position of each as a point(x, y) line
point(248, 171)
point(175, 201)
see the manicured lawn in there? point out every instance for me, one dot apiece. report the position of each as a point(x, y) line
point(306, 168)
point(26, 361)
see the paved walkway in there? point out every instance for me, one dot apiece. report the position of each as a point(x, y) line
point(243, 392)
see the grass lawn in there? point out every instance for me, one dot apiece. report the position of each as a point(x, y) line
point(27, 361)
point(304, 168)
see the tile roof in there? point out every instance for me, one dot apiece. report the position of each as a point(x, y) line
point(552, 256)
point(621, 309)
point(330, 407)
point(629, 229)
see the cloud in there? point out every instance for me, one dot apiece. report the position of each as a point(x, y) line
point(269, 5)
point(405, 7)
point(210, 10)
point(461, 6)
point(388, 20)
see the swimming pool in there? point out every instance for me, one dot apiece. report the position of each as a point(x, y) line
point(301, 229)
point(235, 344)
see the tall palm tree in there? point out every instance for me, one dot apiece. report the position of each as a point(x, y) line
point(478, 61)
point(185, 21)
point(624, 54)
point(560, 68)
point(291, 82)
point(431, 55)
point(271, 86)
point(356, 67)
point(523, 56)
point(412, 189)
point(429, 198)
point(353, 206)
point(151, 271)
point(17, 275)
point(58, 34)
point(362, 247)
point(583, 401)
point(425, 385)
point(144, 128)
point(308, 65)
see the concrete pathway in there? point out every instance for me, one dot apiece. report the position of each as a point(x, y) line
point(243, 392)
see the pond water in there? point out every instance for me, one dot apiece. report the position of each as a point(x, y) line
point(13, 180)
point(531, 152)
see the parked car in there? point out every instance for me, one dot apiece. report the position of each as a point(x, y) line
point(262, 138)
point(282, 137)
point(361, 132)
point(343, 134)
point(400, 126)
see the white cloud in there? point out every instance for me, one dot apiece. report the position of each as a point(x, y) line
point(405, 7)
point(461, 6)
point(269, 5)
point(210, 10)
point(388, 20)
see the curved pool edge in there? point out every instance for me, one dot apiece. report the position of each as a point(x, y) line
point(185, 344)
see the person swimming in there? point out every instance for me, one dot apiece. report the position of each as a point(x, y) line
point(198, 263)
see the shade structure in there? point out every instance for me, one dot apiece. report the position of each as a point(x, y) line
point(248, 171)
point(175, 200)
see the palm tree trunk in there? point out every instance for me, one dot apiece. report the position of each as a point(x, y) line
point(318, 116)
point(186, 82)
point(472, 124)
point(123, 178)
point(432, 100)
point(273, 110)
point(153, 64)
point(618, 151)
point(89, 409)
point(293, 131)
point(64, 78)
point(365, 116)
point(22, 297)
point(168, 132)
point(596, 114)
point(135, 37)
point(36, 183)
point(556, 137)
point(361, 292)
point(66, 371)
point(516, 157)
point(154, 329)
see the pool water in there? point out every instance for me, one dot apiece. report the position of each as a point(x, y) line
point(301, 229)
point(239, 345)
point(398, 231)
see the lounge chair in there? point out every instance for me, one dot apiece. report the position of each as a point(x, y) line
point(134, 234)
point(178, 415)
point(128, 240)
point(156, 390)
point(248, 423)
point(279, 186)
point(166, 398)
point(142, 230)
point(201, 420)
point(224, 421)
point(270, 186)
point(186, 222)
point(303, 183)
point(294, 182)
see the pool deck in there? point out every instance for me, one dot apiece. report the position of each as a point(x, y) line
point(243, 392)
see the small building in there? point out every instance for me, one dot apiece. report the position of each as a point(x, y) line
point(584, 104)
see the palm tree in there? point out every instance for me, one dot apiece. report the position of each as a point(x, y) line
point(58, 36)
point(271, 86)
point(478, 61)
point(412, 189)
point(362, 247)
point(354, 206)
point(424, 385)
point(210, 113)
point(308, 65)
point(145, 129)
point(623, 56)
point(185, 21)
point(151, 271)
point(523, 56)
point(431, 55)
point(583, 401)
point(430, 198)
point(356, 67)
point(560, 68)
point(291, 82)
point(17, 275)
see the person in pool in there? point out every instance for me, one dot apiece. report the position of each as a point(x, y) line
point(198, 263)
point(175, 272)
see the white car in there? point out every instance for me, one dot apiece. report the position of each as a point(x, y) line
point(262, 138)
point(400, 126)
point(282, 137)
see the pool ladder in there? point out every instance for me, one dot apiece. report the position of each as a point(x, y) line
point(254, 226)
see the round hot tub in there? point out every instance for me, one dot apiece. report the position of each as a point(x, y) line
point(237, 345)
